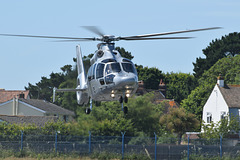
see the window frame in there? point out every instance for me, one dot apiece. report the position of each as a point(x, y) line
point(209, 117)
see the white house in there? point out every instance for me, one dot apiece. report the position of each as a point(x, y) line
point(223, 101)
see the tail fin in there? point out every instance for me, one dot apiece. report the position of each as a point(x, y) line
point(82, 96)
point(80, 66)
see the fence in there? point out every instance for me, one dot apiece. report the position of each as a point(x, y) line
point(152, 147)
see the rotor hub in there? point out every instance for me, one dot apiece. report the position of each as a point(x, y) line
point(108, 38)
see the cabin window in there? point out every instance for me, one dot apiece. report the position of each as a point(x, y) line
point(128, 67)
point(209, 117)
point(99, 70)
point(112, 67)
point(93, 71)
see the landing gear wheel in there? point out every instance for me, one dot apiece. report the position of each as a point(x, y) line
point(121, 99)
point(125, 99)
point(88, 111)
point(125, 110)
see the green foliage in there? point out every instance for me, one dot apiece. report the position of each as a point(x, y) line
point(224, 127)
point(178, 121)
point(14, 130)
point(145, 114)
point(44, 88)
point(108, 119)
point(167, 138)
point(179, 85)
point(228, 45)
point(124, 53)
point(196, 100)
point(229, 67)
point(141, 139)
point(50, 128)
point(150, 76)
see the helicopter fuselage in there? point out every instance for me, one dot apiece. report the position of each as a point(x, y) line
point(110, 76)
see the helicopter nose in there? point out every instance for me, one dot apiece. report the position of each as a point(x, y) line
point(127, 81)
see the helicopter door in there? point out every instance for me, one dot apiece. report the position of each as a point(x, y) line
point(99, 81)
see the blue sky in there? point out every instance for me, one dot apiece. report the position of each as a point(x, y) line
point(26, 60)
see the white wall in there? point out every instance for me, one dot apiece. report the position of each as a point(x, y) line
point(215, 105)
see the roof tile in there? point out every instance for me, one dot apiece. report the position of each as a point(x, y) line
point(231, 94)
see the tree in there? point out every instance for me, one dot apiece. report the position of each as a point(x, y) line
point(179, 85)
point(145, 114)
point(178, 121)
point(228, 45)
point(150, 76)
point(44, 88)
point(108, 118)
point(229, 67)
point(124, 53)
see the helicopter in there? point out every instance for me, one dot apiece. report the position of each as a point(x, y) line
point(110, 76)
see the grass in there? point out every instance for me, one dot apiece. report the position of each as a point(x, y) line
point(28, 155)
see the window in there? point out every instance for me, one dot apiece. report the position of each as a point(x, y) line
point(223, 115)
point(65, 118)
point(209, 117)
point(112, 67)
point(99, 71)
point(93, 71)
point(128, 67)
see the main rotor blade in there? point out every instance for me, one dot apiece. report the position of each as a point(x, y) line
point(152, 38)
point(175, 32)
point(94, 29)
point(69, 38)
point(74, 40)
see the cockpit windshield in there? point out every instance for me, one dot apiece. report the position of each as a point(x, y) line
point(112, 68)
point(108, 60)
point(128, 67)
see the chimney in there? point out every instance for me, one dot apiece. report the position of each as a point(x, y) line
point(220, 80)
point(162, 87)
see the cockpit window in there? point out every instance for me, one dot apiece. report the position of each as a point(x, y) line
point(128, 67)
point(99, 70)
point(112, 67)
point(108, 60)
